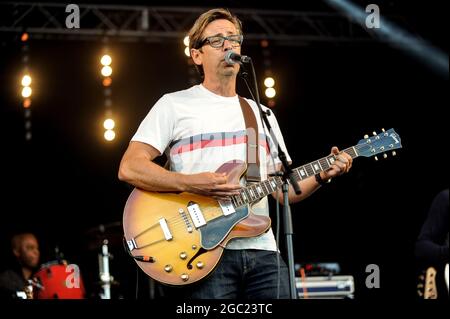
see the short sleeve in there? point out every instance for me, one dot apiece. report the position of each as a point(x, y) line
point(157, 127)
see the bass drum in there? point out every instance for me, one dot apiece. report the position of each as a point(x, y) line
point(59, 280)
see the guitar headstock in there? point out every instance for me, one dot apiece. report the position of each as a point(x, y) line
point(379, 143)
point(426, 287)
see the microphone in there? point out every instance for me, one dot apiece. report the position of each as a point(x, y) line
point(233, 58)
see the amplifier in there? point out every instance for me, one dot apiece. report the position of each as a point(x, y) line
point(325, 287)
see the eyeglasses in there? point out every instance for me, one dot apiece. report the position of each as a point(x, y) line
point(216, 41)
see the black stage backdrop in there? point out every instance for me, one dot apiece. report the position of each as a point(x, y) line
point(63, 184)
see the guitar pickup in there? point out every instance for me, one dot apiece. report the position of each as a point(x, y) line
point(196, 214)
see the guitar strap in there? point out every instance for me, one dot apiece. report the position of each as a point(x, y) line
point(253, 173)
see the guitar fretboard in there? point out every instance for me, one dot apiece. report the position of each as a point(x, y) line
point(256, 191)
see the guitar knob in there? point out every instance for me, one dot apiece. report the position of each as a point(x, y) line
point(374, 133)
point(376, 158)
point(200, 265)
point(394, 153)
point(168, 268)
point(366, 136)
point(184, 277)
point(382, 130)
point(384, 155)
point(183, 255)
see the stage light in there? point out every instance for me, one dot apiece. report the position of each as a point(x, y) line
point(109, 124)
point(269, 82)
point(26, 103)
point(106, 60)
point(109, 135)
point(26, 80)
point(106, 70)
point(107, 81)
point(26, 92)
point(270, 92)
point(186, 52)
point(24, 37)
point(186, 41)
point(264, 43)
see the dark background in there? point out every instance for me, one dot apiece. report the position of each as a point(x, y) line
point(63, 184)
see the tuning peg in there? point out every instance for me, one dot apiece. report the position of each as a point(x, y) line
point(384, 155)
point(382, 130)
point(376, 158)
point(374, 133)
point(394, 153)
point(366, 136)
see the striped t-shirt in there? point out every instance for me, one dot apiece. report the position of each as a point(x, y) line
point(199, 131)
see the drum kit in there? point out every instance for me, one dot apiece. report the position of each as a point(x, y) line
point(57, 279)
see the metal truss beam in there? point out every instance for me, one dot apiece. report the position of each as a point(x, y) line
point(162, 24)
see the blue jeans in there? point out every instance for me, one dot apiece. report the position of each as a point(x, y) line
point(241, 274)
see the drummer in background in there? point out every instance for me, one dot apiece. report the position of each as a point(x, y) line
point(13, 281)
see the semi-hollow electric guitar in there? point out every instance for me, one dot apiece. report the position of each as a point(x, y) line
point(178, 238)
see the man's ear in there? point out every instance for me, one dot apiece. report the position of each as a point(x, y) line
point(196, 56)
point(16, 252)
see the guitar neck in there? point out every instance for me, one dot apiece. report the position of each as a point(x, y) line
point(255, 192)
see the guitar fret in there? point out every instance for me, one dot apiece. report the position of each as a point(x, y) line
point(255, 192)
point(244, 196)
point(249, 195)
point(351, 151)
point(264, 187)
point(259, 191)
point(331, 159)
point(232, 201)
point(324, 164)
point(316, 167)
point(301, 172)
point(252, 193)
point(309, 170)
point(267, 185)
point(273, 185)
point(238, 200)
point(278, 182)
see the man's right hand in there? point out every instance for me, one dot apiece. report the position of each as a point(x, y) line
point(211, 184)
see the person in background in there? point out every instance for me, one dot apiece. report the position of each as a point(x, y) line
point(14, 281)
point(432, 244)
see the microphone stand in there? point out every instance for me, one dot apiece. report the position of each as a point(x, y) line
point(286, 177)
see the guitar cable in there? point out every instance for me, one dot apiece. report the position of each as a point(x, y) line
point(125, 247)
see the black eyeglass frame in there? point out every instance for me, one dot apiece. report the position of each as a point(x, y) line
point(239, 39)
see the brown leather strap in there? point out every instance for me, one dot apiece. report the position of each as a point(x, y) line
point(253, 173)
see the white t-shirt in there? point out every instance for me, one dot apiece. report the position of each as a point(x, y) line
point(199, 130)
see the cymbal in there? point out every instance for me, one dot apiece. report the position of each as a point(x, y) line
point(112, 228)
point(112, 232)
